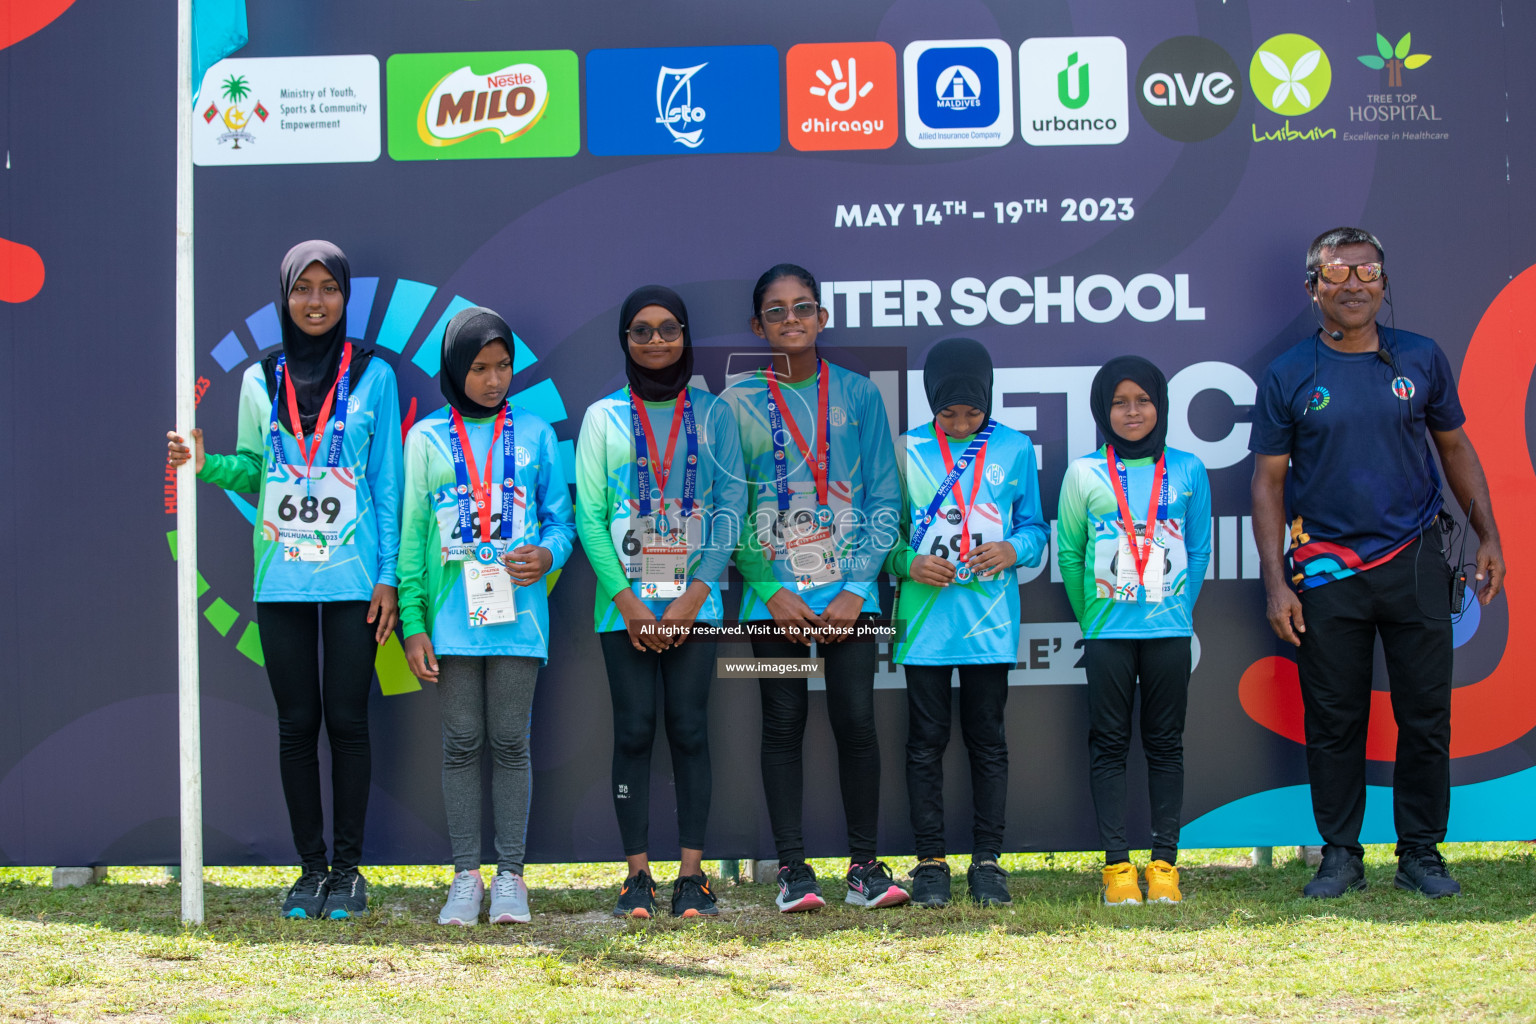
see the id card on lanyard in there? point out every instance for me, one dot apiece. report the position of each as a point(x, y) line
point(310, 511)
point(975, 458)
point(663, 539)
point(809, 541)
point(1139, 564)
point(489, 594)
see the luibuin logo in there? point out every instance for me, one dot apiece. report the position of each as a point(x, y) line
point(1072, 95)
point(1290, 74)
point(675, 107)
point(1394, 58)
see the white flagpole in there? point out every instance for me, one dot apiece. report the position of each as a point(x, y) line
point(189, 718)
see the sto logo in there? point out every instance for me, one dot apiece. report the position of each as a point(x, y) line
point(1501, 708)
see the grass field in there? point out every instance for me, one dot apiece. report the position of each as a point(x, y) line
point(1243, 947)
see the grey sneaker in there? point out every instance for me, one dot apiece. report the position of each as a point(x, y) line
point(509, 899)
point(464, 896)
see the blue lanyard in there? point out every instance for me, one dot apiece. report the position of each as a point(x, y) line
point(1125, 488)
point(338, 433)
point(466, 490)
point(644, 457)
point(818, 461)
point(966, 458)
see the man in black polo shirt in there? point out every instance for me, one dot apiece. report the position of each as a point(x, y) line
point(1340, 453)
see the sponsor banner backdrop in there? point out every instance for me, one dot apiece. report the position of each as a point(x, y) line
point(1063, 182)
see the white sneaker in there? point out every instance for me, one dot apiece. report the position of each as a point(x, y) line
point(509, 899)
point(464, 896)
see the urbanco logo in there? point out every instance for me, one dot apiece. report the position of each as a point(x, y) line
point(1188, 88)
point(1290, 75)
point(841, 95)
point(1072, 91)
point(694, 99)
point(478, 106)
point(958, 93)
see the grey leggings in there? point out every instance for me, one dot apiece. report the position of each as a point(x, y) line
point(487, 698)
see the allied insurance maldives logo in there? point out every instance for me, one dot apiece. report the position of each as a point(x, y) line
point(477, 106)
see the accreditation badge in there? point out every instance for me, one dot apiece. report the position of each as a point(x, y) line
point(489, 593)
point(1148, 586)
point(810, 549)
point(663, 557)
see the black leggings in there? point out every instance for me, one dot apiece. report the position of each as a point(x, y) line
point(686, 674)
point(850, 679)
point(983, 693)
point(291, 636)
point(1113, 667)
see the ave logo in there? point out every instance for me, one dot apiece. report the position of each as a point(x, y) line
point(1188, 88)
point(841, 95)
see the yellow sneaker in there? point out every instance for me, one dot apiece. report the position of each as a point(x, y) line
point(1121, 888)
point(1163, 883)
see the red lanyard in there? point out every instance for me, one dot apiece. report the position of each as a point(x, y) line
point(662, 465)
point(481, 488)
point(1142, 558)
point(965, 509)
point(819, 467)
point(325, 410)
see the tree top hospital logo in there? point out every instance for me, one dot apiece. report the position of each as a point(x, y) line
point(841, 96)
point(1188, 89)
point(1072, 91)
point(958, 93)
point(479, 106)
point(695, 99)
point(1290, 75)
point(1393, 59)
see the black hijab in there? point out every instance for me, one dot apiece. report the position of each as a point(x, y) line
point(467, 333)
point(664, 384)
point(312, 363)
point(958, 371)
point(1152, 381)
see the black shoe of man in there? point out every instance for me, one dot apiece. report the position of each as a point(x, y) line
point(1339, 873)
point(1423, 871)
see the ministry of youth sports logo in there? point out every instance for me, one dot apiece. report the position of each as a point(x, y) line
point(674, 104)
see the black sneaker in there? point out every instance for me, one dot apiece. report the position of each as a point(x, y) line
point(798, 889)
point(988, 884)
point(930, 883)
point(637, 898)
point(346, 896)
point(1423, 871)
point(691, 897)
point(307, 895)
point(1339, 873)
point(870, 885)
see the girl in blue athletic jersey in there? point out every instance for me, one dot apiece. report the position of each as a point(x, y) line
point(319, 444)
point(487, 513)
point(823, 501)
point(1133, 539)
point(658, 508)
point(972, 517)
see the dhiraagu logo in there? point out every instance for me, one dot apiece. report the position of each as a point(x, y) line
point(476, 106)
point(1290, 75)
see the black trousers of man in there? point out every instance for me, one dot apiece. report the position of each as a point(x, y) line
point(1407, 602)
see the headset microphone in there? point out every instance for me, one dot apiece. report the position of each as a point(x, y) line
point(1335, 335)
point(1381, 354)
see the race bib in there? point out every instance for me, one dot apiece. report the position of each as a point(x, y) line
point(943, 537)
point(1112, 555)
point(310, 515)
point(810, 550)
point(453, 547)
point(629, 534)
point(773, 529)
point(488, 590)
